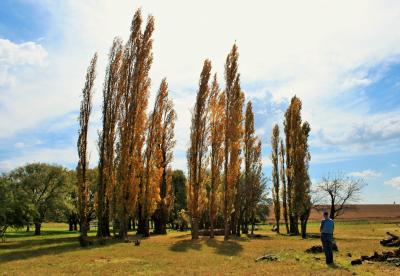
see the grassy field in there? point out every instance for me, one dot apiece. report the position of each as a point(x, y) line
point(57, 252)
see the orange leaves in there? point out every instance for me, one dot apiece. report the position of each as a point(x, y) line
point(134, 84)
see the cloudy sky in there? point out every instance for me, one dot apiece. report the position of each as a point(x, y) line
point(342, 58)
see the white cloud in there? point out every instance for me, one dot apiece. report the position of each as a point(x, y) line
point(47, 155)
point(395, 182)
point(317, 50)
point(20, 54)
point(15, 55)
point(366, 174)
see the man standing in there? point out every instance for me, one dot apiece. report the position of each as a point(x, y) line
point(326, 229)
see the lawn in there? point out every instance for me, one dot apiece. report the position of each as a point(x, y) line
point(57, 252)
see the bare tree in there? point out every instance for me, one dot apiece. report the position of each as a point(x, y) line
point(340, 190)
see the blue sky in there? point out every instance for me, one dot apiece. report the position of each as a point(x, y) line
point(346, 70)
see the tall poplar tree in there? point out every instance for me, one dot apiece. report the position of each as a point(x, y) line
point(283, 180)
point(249, 159)
point(275, 175)
point(233, 135)
point(107, 138)
point(153, 168)
point(83, 163)
point(198, 149)
point(297, 157)
point(135, 85)
point(165, 142)
point(217, 125)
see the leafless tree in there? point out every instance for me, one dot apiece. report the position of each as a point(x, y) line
point(340, 190)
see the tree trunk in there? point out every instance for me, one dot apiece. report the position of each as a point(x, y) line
point(245, 227)
point(195, 228)
point(211, 228)
point(129, 224)
point(332, 213)
point(37, 229)
point(123, 227)
point(304, 228)
point(27, 228)
point(294, 225)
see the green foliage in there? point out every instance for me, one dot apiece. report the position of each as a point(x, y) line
point(40, 189)
point(14, 208)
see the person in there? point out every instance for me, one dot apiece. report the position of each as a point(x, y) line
point(326, 228)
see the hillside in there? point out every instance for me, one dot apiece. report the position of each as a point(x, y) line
point(378, 212)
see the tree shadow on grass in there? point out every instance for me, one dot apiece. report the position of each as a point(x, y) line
point(36, 242)
point(52, 246)
point(44, 233)
point(227, 248)
point(185, 245)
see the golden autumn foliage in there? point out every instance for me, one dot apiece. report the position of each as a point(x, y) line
point(135, 85)
point(217, 128)
point(165, 142)
point(297, 158)
point(233, 135)
point(155, 157)
point(83, 163)
point(197, 152)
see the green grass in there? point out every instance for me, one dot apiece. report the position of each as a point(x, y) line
point(57, 252)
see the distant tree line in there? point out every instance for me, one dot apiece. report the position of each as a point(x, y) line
point(39, 192)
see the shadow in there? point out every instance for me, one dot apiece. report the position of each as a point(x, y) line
point(36, 242)
point(44, 233)
point(52, 246)
point(182, 236)
point(258, 237)
point(185, 245)
point(227, 248)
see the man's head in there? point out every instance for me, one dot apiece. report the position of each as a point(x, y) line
point(326, 214)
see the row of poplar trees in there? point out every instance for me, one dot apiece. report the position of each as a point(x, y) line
point(135, 148)
point(290, 179)
point(221, 136)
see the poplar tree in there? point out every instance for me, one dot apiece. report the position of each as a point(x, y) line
point(233, 134)
point(153, 167)
point(198, 150)
point(275, 175)
point(257, 183)
point(134, 84)
point(83, 163)
point(249, 151)
point(107, 138)
point(297, 157)
point(165, 142)
point(283, 180)
point(217, 126)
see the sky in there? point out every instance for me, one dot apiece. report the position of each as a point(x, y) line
point(342, 58)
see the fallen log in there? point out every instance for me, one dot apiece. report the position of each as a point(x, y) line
point(318, 249)
point(267, 258)
point(356, 262)
point(392, 241)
